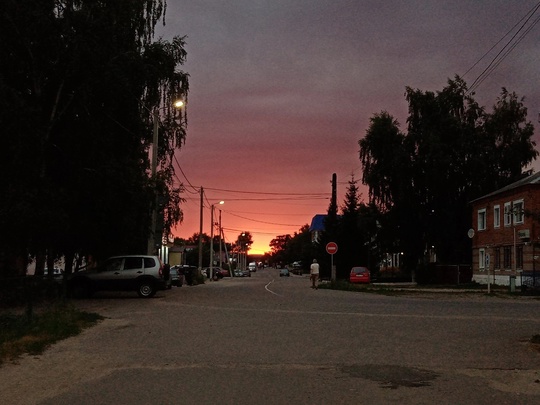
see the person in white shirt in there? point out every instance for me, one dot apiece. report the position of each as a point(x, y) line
point(314, 274)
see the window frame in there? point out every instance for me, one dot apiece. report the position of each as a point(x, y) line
point(497, 258)
point(519, 257)
point(518, 217)
point(482, 214)
point(507, 213)
point(497, 216)
point(482, 259)
point(507, 257)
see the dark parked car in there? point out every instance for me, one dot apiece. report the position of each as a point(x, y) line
point(177, 279)
point(284, 272)
point(238, 273)
point(216, 273)
point(242, 273)
point(140, 273)
point(297, 268)
point(224, 272)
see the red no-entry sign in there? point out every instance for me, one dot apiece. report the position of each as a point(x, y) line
point(331, 248)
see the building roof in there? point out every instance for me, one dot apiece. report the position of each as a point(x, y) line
point(317, 223)
point(533, 179)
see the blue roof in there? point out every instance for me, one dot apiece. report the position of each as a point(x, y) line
point(317, 223)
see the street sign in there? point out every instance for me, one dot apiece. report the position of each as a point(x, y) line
point(331, 248)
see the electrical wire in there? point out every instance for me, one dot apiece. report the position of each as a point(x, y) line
point(261, 222)
point(504, 52)
point(264, 193)
point(513, 46)
point(195, 190)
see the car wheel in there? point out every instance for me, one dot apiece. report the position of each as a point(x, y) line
point(146, 289)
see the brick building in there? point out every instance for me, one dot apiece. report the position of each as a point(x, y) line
point(506, 239)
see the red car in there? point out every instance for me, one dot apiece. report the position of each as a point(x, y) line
point(360, 275)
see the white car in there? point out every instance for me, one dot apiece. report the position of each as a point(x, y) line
point(140, 273)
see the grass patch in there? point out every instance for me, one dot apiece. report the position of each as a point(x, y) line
point(20, 335)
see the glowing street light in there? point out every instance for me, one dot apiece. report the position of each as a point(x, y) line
point(155, 120)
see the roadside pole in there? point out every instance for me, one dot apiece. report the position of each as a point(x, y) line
point(331, 249)
point(488, 274)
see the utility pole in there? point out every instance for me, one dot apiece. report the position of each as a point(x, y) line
point(334, 190)
point(200, 230)
point(334, 206)
point(219, 239)
point(152, 238)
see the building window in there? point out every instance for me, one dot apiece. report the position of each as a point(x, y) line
point(481, 259)
point(507, 257)
point(482, 219)
point(519, 257)
point(497, 258)
point(497, 216)
point(507, 214)
point(518, 212)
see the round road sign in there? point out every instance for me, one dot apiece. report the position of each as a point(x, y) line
point(331, 248)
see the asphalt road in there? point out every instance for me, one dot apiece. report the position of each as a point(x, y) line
point(272, 340)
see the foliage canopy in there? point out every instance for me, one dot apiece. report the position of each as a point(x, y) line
point(79, 81)
point(453, 152)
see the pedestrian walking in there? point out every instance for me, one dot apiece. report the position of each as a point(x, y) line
point(314, 274)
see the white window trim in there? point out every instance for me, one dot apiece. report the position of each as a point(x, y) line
point(481, 259)
point(507, 213)
point(497, 216)
point(515, 218)
point(482, 213)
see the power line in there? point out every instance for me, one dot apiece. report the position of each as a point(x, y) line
point(265, 193)
point(195, 189)
point(261, 222)
point(278, 199)
point(253, 232)
point(508, 52)
point(504, 52)
point(271, 213)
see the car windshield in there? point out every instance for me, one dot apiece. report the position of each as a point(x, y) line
point(359, 270)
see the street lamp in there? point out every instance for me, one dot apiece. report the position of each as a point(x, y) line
point(155, 121)
point(212, 239)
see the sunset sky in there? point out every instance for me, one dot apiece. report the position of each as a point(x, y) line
point(282, 90)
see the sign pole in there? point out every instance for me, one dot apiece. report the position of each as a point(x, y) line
point(333, 269)
point(488, 274)
point(331, 249)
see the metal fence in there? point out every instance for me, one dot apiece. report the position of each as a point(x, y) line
point(530, 280)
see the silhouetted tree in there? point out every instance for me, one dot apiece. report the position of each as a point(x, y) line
point(351, 238)
point(452, 153)
point(79, 81)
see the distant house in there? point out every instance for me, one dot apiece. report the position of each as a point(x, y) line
point(317, 227)
point(505, 241)
point(177, 254)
